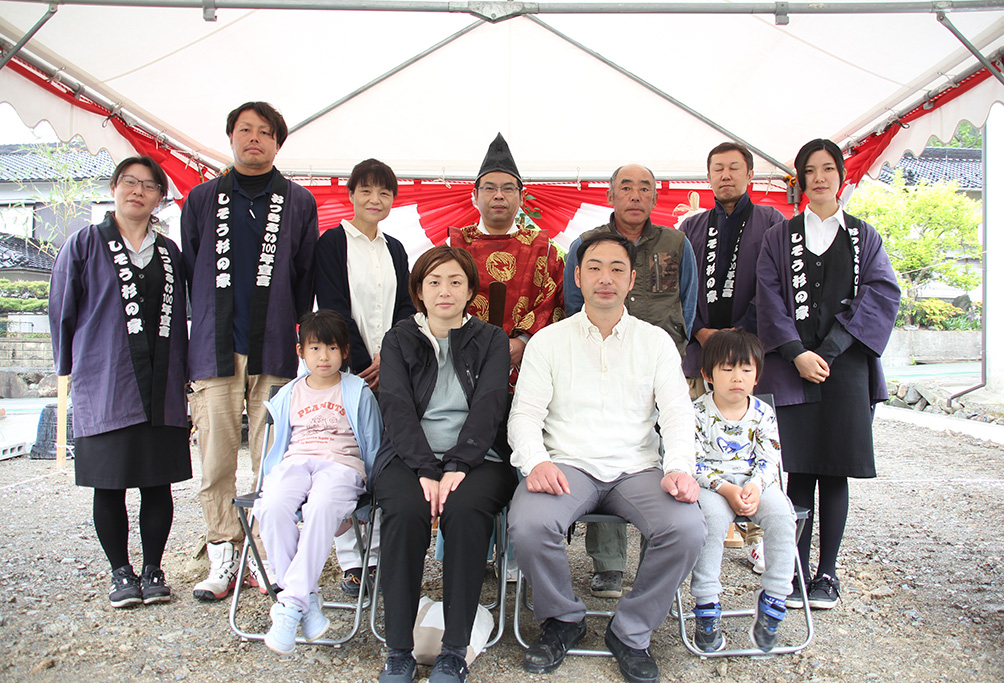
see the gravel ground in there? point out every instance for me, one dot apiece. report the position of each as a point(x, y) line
point(922, 573)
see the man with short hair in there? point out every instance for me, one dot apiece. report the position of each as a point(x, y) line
point(665, 295)
point(248, 242)
point(727, 239)
point(523, 257)
point(582, 429)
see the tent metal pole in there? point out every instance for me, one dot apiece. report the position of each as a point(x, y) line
point(497, 10)
point(943, 18)
point(383, 77)
point(664, 95)
point(28, 36)
point(896, 116)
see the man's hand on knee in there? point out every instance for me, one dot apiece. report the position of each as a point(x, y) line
point(681, 486)
point(547, 478)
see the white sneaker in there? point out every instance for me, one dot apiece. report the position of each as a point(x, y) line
point(255, 579)
point(313, 623)
point(754, 553)
point(222, 572)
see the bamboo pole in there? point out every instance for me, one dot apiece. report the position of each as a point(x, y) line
point(61, 384)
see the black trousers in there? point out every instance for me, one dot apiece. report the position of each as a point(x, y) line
point(406, 529)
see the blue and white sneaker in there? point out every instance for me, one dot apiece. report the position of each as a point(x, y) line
point(313, 623)
point(708, 634)
point(281, 638)
point(769, 615)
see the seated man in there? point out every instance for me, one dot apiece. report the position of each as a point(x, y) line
point(583, 433)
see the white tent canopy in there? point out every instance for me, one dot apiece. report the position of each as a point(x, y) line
point(567, 113)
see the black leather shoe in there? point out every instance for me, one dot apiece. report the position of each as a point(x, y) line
point(556, 639)
point(637, 666)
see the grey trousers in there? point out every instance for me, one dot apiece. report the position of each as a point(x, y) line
point(777, 518)
point(675, 533)
point(607, 546)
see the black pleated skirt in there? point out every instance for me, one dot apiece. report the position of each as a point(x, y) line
point(833, 436)
point(133, 457)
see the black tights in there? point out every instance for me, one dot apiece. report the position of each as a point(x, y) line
point(833, 504)
point(111, 522)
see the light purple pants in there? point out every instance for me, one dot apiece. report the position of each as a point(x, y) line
point(326, 493)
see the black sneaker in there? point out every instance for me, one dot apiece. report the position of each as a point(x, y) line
point(352, 581)
point(824, 592)
point(769, 615)
point(153, 587)
point(556, 639)
point(708, 631)
point(399, 668)
point(125, 590)
point(449, 668)
point(794, 600)
point(637, 666)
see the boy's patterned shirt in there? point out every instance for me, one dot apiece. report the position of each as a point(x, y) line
point(749, 446)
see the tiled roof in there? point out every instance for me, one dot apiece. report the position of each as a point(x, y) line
point(941, 163)
point(26, 163)
point(17, 252)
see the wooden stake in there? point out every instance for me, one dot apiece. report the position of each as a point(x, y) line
point(61, 384)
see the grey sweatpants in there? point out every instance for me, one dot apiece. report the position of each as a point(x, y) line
point(777, 518)
point(675, 533)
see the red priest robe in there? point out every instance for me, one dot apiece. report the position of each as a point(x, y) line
point(530, 266)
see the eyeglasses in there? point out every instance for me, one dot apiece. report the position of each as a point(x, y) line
point(132, 181)
point(509, 189)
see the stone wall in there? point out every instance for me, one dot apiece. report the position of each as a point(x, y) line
point(908, 347)
point(26, 353)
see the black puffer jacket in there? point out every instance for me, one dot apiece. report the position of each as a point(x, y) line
point(408, 372)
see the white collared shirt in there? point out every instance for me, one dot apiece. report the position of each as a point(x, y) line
point(372, 285)
point(483, 230)
point(820, 233)
point(593, 403)
point(141, 257)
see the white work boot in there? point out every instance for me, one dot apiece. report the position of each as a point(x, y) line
point(222, 572)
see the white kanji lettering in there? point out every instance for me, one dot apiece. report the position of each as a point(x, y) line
point(265, 270)
point(263, 281)
point(267, 258)
point(801, 312)
point(134, 326)
point(712, 296)
point(222, 246)
point(223, 280)
point(799, 281)
point(710, 270)
point(129, 291)
point(165, 332)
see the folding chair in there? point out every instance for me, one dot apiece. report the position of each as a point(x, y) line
point(801, 515)
point(521, 593)
point(501, 564)
point(244, 504)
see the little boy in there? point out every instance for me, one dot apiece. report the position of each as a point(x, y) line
point(738, 457)
point(327, 433)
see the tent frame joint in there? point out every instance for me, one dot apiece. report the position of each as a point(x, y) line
point(209, 10)
point(946, 22)
point(781, 17)
point(49, 13)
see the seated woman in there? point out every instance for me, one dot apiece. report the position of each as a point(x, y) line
point(443, 392)
point(117, 315)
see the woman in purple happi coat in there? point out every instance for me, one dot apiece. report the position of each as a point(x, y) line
point(827, 300)
point(117, 316)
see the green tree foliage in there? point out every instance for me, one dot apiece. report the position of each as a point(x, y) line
point(966, 135)
point(928, 230)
